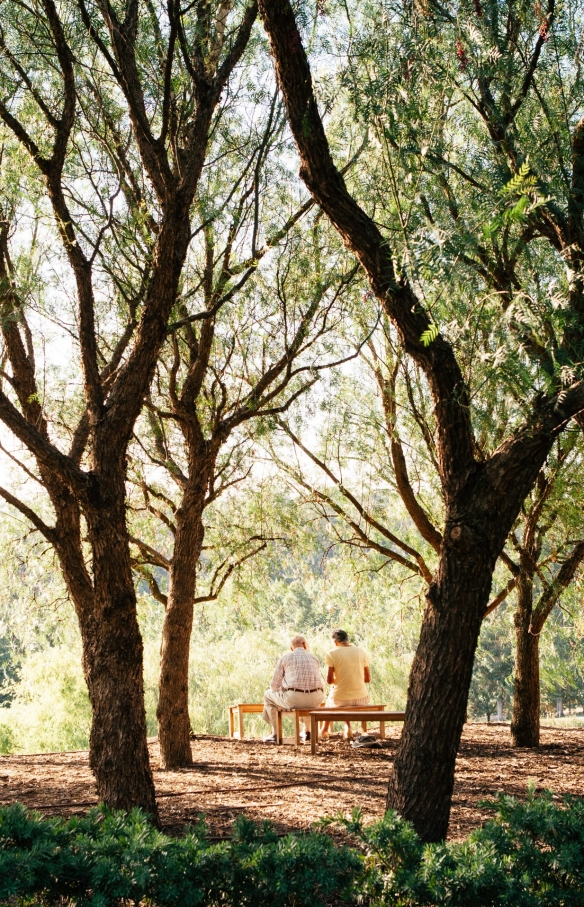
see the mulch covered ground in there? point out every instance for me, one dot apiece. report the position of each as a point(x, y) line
point(292, 788)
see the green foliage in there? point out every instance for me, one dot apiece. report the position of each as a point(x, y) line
point(562, 657)
point(429, 335)
point(50, 710)
point(8, 670)
point(531, 854)
point(107, 856)
point(519, 198)
point(7, 741)
point(492, 677)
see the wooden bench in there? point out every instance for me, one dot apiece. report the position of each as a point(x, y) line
point(362, 713)
point(298, 714)
point(236, 712)
point(248, 708)
point(241, 709)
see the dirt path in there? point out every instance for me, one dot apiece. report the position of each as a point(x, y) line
point(293, 789)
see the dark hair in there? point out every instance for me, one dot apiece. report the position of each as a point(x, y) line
point(340, 636)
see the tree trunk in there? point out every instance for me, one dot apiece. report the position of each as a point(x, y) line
point(482, 498)
point(438, 689)
point(525, 720)
point(113, 659)
point(174, 725)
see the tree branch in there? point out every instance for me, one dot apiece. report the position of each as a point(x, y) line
point(150, 554)
point(500, 598)
point(363, 238)
point(45, 452)
point(49, 532)
point(421, 566)
point(561, 582)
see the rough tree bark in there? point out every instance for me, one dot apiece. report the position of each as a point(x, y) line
point(106, 602)
point(174, 726)
point(482, 499)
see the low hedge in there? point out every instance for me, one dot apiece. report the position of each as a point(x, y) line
point(531, 854)
point(108, 857)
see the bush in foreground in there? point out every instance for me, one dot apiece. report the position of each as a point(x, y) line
point(530, 855)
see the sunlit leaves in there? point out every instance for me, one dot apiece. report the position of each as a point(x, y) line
point(429, 335)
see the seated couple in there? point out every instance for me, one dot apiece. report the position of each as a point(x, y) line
point(297, 682)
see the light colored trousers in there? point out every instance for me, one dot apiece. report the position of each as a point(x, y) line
point(282, 700)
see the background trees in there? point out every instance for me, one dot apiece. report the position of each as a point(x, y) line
point(549, 555)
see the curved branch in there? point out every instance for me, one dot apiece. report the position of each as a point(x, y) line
point(215, 591)
point(362, 236)
point(420, 567)
point(49, 532)
point(550, 597)
point(45, 452)
point(155, 590)
point(150, 554)
point(500, 598)
point(421, 520)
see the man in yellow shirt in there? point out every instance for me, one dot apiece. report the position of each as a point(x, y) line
point(348, 671)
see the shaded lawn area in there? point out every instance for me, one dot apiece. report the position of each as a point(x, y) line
point(293, 789)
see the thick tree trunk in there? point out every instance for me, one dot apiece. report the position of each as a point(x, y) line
point(113, 659)
point(525, 720)
point(481, 498)
point(174, 726)
point(438, 689)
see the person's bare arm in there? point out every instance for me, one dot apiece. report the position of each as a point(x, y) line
point(330, 676)
point(366, 674)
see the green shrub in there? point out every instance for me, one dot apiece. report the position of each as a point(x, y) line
point(108, 856)
point(530, 855)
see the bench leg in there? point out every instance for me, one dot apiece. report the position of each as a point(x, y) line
point(382, 730)
point(231, 725)
point(279, 728)
point(240, 722)
point(364, 727)
point(313, 733)
point(296, 728)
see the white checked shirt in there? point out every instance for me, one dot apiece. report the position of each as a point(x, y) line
point(297, 670)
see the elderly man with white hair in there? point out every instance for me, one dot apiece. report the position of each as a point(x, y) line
point(296, 684)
